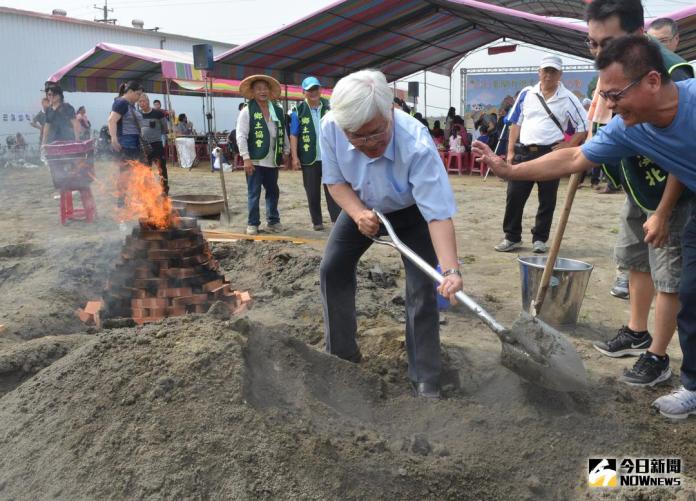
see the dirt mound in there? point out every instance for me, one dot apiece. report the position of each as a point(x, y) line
point(196, 407)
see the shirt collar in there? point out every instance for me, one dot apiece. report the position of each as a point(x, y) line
point(537, 89)
point(310, 106)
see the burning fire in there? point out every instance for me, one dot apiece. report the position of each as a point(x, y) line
point(144, 197)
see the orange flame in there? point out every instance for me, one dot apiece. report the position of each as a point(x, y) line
point(144, 197)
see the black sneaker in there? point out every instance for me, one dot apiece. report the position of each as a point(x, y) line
point(625, 343)
point(648, 370)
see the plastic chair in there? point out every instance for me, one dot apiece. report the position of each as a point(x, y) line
point(68, 212)
point(460, 159)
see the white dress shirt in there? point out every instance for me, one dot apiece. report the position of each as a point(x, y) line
point(536, 125)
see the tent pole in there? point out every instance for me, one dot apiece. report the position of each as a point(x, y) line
point(425, 93)
point(450, 91)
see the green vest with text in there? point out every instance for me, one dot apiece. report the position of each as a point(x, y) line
point(643, 180)
point(307, 138)
point(259, 140)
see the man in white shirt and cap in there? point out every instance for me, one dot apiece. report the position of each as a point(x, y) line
point(546, 110)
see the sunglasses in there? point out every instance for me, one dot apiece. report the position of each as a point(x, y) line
point(616, 95)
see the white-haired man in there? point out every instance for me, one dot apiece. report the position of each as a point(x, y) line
point(379, 158)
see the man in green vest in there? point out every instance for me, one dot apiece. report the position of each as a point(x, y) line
point(305, 147)
point(651, 203)
point(262, 145)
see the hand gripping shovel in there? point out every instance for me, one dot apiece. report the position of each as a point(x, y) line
point(533, 349)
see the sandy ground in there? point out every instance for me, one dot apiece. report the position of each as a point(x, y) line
point(203, 407)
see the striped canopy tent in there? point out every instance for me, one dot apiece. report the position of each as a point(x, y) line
point(106, 66)
point(399, 37)
point(223, 87)
point(557, 8)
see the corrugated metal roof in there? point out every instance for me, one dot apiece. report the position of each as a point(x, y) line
point(399, 37)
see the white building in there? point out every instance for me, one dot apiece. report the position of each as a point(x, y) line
point(36, 45)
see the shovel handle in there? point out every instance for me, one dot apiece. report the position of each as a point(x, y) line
point(556, 244)
point(409, 254)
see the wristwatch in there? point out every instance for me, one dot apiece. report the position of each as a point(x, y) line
point(452, 271)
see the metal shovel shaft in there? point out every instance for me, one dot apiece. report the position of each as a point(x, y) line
point(432, 273)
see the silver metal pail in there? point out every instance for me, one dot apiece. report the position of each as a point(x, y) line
point(566, 290)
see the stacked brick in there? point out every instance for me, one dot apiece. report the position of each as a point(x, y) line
point(163, 273)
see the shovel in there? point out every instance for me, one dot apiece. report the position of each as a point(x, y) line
point(531, 348)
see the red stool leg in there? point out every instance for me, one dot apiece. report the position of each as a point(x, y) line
point(63, 207)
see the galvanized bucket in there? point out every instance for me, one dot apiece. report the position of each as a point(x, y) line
point(566, 291)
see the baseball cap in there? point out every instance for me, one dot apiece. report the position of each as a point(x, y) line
point(310, 82)
point(551, 62)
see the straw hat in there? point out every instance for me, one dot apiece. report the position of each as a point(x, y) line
point(245, 86)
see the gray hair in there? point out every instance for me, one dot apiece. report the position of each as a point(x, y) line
point(359, 98)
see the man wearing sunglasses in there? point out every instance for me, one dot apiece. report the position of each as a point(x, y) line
point(651, 268)
point(375, 157)
point(654, 118)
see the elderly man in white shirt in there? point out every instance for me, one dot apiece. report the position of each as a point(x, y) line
point(378, 158)
point(544, 113)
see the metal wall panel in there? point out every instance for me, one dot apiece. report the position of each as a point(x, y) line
point(35, 47)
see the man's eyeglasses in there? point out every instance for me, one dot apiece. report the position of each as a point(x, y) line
point(371, 140)
point(616, 95)
point(665, 41)
point(594, 45)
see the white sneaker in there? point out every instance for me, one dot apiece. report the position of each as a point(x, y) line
point(252, 230)
point(539, 247)
point(677, 405)
point(506, 245)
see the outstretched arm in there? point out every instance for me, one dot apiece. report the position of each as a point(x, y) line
point(553, 165)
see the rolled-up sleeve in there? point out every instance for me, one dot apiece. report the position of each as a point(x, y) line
point(243, 132)
point(604, 148)
point(330, 172)
point(429, 182)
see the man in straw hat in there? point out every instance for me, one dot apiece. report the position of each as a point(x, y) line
point(262, 145)
point(374, 157)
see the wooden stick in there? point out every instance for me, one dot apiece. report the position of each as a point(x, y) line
point(556, 244)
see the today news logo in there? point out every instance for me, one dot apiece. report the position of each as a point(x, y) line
point(633, 472)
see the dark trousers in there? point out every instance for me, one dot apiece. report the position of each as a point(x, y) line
point(686, 320)
point(338, 286)
point(157, 156)
point(517, 194)
point(268, 178)
point(311, 177)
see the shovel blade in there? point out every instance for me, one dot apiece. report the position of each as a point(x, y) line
point(543, 356)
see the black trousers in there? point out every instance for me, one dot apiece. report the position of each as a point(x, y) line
point(517, 194)
point(338, 286)
point(157, 156)
point(311, 177)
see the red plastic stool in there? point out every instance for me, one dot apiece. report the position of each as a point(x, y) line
point(67, 212)
point(460, 160)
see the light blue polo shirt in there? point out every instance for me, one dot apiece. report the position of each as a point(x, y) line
point(672, 147)
point(410, 171)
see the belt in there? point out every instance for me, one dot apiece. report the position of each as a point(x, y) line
point(538, 147)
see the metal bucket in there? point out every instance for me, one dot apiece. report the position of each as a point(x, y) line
point(566, 289)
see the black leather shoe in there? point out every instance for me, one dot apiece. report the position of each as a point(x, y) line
point(426, 390)
point(355, 357)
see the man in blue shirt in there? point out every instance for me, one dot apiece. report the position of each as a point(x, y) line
point(654, 118)
point(378, 158)
point(305, 147)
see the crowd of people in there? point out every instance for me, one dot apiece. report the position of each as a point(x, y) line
point(365, 149)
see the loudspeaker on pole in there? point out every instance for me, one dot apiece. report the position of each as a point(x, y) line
point(203, 57)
